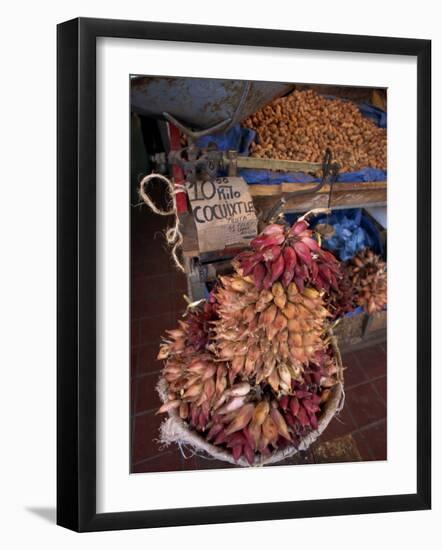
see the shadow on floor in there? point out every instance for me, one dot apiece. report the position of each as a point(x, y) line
point(46, 513)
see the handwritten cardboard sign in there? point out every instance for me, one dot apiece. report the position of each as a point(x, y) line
point(223, 212)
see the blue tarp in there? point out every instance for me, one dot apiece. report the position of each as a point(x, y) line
point(239, 139)
point(269, 177)
point(354, 231)
point(356, 311)
point(364, 174)
point(378, 116)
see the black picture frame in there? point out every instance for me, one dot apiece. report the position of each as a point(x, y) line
point(76, 274)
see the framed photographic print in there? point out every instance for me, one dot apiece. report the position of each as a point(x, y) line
point(243, 332)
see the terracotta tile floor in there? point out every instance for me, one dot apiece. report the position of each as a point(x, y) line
point(358, 433)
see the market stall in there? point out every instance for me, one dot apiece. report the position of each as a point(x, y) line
point(297, 147)
point(271, 189)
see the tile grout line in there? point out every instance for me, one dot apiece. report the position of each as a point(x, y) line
point(158, 455)
point(360, 431)
point(359, 384)
point(367, 443)
point(383, 401)
point(351, 416)
point(145, 374)
point(138, 345)
point(135, 392)
point(371, 425)
point(145, 412)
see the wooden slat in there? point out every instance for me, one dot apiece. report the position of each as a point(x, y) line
point(344, 195)
point(257, 163)
point(258, 190)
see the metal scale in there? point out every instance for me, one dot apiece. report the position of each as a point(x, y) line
point(196, 108)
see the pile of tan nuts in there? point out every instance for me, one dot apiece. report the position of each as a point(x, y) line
point(303, 124)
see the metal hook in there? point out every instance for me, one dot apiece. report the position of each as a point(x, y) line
point(327, 168)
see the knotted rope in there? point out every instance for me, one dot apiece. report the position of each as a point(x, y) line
point(173, 234)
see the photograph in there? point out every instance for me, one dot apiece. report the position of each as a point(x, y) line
point(258, 273)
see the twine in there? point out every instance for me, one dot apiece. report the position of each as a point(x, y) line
point(173, 234)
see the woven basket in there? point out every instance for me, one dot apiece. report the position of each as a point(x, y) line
point(175, 430)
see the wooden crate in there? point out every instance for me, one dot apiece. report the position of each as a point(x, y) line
point(361, 329)
point(376, 323)
point(343, 195)
point(350, 330)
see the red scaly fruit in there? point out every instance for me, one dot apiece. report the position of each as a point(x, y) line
point(267, 281)
point(249, 262)
point(311, 243)
point(284, 402)
point(289, 418)
point(299, 281)
point(298, 228)
point(314, 272)
point(329, 258)
point(325, 272)
point(303, 417)
point(294, 406)
point(263, 241)
point(273, 229)
point(303, 252)
point(289, 255)
point(271, 254)
point(321, 283)
point(214, 431)
point(258, 274)
point(220, 438)
point(248, 453)
point(248, 437)
point(313, 420)
point(237, 452)
point(277, 269)
point(307, 256)
point(309, 406)
point(236, 439)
